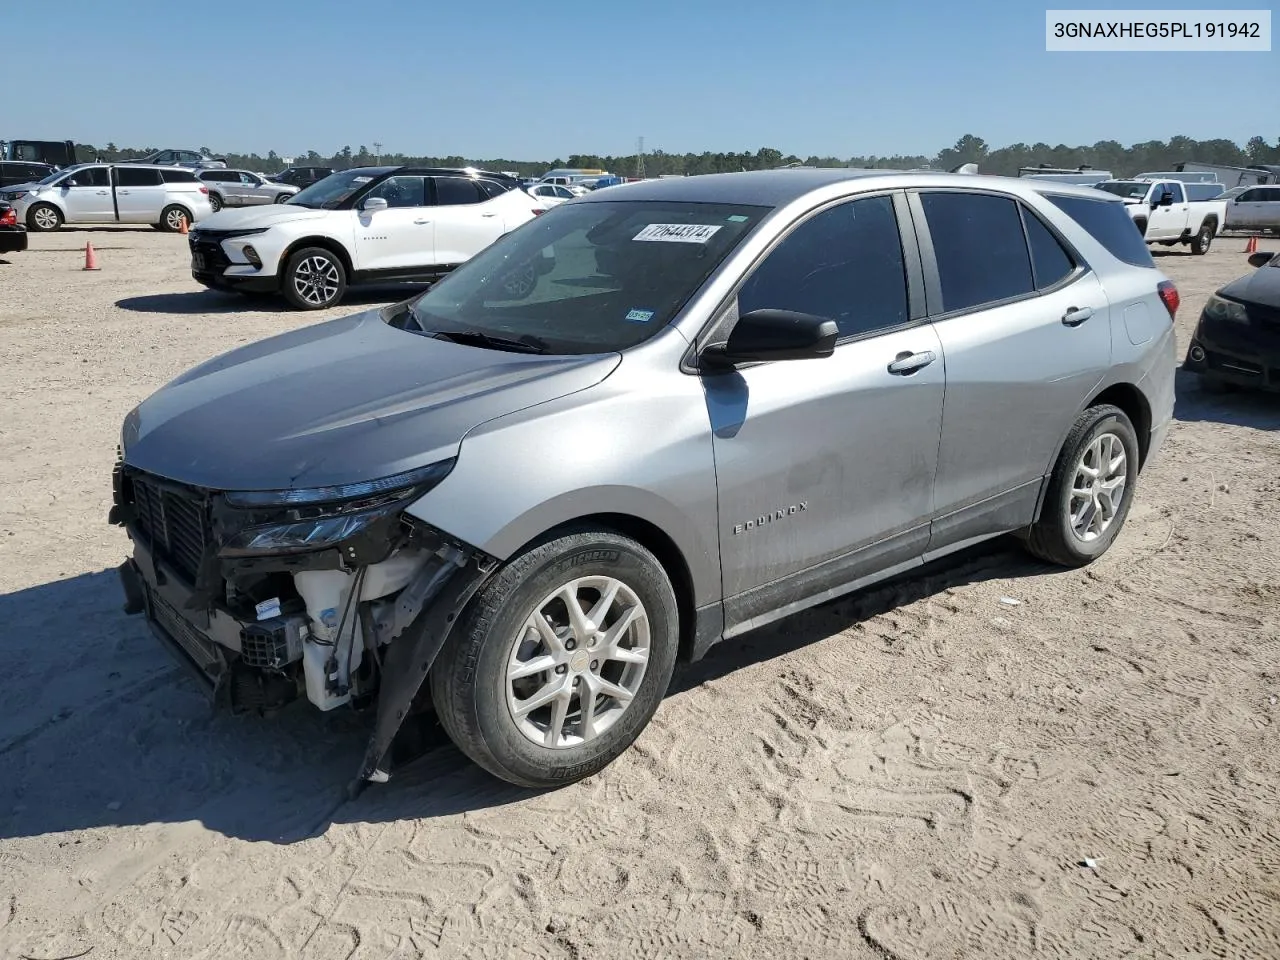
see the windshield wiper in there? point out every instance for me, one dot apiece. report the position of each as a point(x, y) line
point(525, 343)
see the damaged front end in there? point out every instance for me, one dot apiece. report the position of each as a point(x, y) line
point(332, 593)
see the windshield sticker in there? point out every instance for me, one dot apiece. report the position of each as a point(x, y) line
point(639, 316)
point(677, 233)
point(361, 179)
point(738, 218)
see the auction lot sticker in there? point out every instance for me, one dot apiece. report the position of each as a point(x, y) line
point(677, 232)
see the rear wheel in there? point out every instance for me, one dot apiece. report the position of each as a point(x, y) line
point(560, 661)
point(44, 216)
point(314, 278)
point(1090, 489)
point(215, 201)
point(1201, 242)
point(283, 197)
point(173, 218)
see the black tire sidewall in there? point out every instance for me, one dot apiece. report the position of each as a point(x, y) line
point(31, 218)
point(485, 641)
point(164, 218)
point(1109, 421)
point(216, 202)
point(1202, 242)
point(286, 281)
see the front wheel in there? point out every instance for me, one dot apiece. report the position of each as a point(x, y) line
point(1090, 489)
point(1201, 242)
point(44, 216)
point(314, 278)
point(560, 661)
point(283, 197)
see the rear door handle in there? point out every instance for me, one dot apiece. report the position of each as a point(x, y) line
point(488, 214)
point(1077, 315)
point(908, 363)
point(420, 222)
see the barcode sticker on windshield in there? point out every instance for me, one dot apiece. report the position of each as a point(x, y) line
point(677, 232)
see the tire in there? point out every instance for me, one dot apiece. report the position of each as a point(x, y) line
point(171, 218)
point(1055, 537)
point(314, 278)
point(282, 198)
point(43, 217)
point(1203, 240)
point(475, 700)
point(215, 201)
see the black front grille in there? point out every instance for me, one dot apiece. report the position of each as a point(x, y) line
point(174, 521)
point(1268, 318)
point(214, 257)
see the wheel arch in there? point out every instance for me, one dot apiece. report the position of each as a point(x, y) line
point(326, 243)
point(654, 539)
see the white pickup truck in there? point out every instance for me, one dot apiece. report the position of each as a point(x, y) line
point(1164, 215)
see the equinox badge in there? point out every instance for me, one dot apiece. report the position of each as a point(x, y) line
point(782, 514)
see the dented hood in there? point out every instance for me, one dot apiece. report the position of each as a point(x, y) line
point(338, 402)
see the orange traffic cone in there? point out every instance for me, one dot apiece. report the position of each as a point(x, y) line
point(1251, 246)
point(183, 228)
point(90, 258)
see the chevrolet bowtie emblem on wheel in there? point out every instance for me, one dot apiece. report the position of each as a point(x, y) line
point(763, 520)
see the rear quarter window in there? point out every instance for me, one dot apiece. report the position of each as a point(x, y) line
point(1108, 223)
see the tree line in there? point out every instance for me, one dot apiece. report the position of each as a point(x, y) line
point(1109, 155)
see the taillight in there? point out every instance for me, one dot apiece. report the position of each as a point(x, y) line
point(536, 211)
point(9, 218)
point(1169, 296)
point(205, 191)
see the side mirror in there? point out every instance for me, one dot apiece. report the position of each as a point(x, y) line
point(1166, 199)
point(373, 204)
point(1261, 258)
point(69, 183)
point(764, 335)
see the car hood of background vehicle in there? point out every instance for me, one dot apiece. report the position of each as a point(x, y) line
point(337, 402)
point(252, 218)
point(1261, 287)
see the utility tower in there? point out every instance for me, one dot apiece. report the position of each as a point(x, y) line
point(640, 158)
point(377, 152)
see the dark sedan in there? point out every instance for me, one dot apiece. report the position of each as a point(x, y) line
point(1237, 339)
point(13, 235)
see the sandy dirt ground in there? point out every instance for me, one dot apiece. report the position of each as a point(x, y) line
point(916, 772)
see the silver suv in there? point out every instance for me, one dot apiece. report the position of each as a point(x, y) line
point(243, 188)
point(659, 416)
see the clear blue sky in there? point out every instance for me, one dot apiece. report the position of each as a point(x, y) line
point(541, 80)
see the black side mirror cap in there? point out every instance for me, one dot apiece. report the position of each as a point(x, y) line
point(1261, 258)
point(765, 335)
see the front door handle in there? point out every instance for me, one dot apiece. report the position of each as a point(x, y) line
point(908, 363)
point(103, 193)
point(1077, 315)
point(488, 214)
point(421, 222)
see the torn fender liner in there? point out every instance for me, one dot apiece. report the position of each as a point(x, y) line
point(409, 660)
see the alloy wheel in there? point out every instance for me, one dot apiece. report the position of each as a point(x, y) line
point(46, 218)
point(578, 662)
point(316, 280)
point(1097, 489)
point(175, 218)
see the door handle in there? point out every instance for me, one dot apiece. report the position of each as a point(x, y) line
point(102, 193)
point(1077, 315)
point(420, 222)
point(123, 193)
point(908, 363)
point(488, 214)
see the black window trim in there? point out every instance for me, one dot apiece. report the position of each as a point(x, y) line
point(725, 315)
point(933, 279)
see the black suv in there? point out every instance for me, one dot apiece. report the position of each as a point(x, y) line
point(13, 172)
point(302, 177)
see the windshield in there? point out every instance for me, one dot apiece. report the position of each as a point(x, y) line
point(1132, 189)
point(587, 277)
point(326, 194)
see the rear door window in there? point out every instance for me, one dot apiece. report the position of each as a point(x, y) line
point(457, 190)
point(178, 176)
point(1108, 223)
point(137, 177)
point(980, 248)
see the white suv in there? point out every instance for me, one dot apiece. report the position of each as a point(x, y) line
point(367, 225)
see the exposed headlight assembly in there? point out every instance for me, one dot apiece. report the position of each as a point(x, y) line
point(1220, 308)
point(316, 518)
